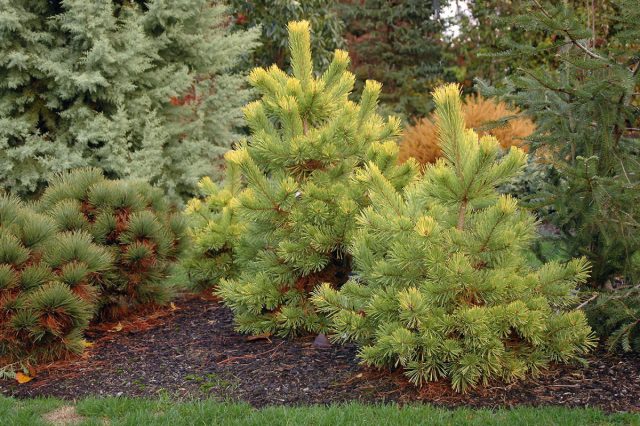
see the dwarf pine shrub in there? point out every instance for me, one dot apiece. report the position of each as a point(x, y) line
point(49, 285)
point(130, 219)
point(443, 288)
point(214, 228)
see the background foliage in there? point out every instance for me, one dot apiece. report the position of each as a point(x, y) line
point(615, 316)
point(485, 116)
point(272, 16)
point(489, 28)
point(398, 43)
point(139, 89)
point(586, 113)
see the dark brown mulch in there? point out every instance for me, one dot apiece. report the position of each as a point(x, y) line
point(193, 352)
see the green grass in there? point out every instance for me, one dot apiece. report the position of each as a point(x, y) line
point(125, 411)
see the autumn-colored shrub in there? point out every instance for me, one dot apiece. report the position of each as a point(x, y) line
point(132, 220)
point(49, 284)
point(483, 115)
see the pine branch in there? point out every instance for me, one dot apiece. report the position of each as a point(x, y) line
point(618, 130)
point(573, 40)
point(545, 85)
point(586, 302)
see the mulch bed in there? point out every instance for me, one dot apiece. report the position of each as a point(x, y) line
point(191, 351)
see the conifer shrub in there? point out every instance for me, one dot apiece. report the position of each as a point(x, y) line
point(214, 227)
point(443, 289)
point(615, 317)
point(307, 142)
point(130, 219)
point(49, 285)
point(485, 116)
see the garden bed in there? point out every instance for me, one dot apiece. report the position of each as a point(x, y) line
point(190, 350)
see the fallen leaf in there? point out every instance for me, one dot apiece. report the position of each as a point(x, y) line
point(117, 328)
point(263, 336)
point(173, 306)
point(87, 344)
point(23, 378)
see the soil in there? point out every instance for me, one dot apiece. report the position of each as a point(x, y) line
point(190, 350)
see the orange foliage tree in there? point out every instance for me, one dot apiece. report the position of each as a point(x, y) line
point(485, 116)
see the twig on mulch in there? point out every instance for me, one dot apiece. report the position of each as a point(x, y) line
point(71, 375)
point(134, 323)
point(249, 356)
point(351, 379)
point(564, 386)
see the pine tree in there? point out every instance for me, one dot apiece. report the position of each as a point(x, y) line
point(214, 228)
point(587, 116)
point(139, 89)
point(307, 142)
point(398, 43)
point(443, 288)
point(49, 285)
point(133, 222)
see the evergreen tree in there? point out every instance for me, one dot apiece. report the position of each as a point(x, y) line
point(587, 116)
point(133, 222)
point(49, 284)
point(139, 89)
point(307, 142)
point(485, 116)
point(398, 43)
point(272, 17)
point(443, 287)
